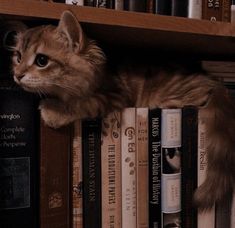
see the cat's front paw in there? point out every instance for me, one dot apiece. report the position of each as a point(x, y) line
point(52, 115)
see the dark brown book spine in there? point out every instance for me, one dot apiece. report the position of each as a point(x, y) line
point(212, 10)
point(55, 176)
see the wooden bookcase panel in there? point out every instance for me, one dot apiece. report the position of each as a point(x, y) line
point(122, 28)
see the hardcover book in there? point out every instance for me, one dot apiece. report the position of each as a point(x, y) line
point(171, 167)
point(19, 170)
point(155, 220)
point(189, 166)
point(91, 158)
point(128, 167)
point(77, 176)
point(111, 171)
point(142, 167)
point(55, 175)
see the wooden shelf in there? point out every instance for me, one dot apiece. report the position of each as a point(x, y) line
point(122, 28)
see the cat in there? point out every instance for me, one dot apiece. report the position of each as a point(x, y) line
point(70, 69)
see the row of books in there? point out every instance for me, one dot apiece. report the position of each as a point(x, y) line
point(141, 171)
point(216, 10)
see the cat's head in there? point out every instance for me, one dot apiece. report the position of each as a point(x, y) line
point(58, 61)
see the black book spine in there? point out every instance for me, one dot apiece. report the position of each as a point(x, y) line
point(189, 165)
point(19, 182)
point(179, 8)
point(133, 5)
point(91, 153)
point(163, 7)
point(90, 2)
point(155, 220)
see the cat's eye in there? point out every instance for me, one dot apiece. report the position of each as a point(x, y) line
point(17, 56)
point(41, 60)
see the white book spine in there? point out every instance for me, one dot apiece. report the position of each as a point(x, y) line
point(205, 219)
point(75, 2)
point(128, 168)
point(171, 166)
point(195, 9)
point(142, 167)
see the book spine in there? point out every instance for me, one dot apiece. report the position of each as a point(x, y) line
point(226, 10)
point(232, 11)
point(212, 10)
point(89, 3)
point(77, 176)
point(205, 219)
point(163, 7)
point(19, 170)
point(119, 5)
point(189, 166)
point(111, 171)
point(91, 157)
point(75, 2)
point(154, 168)
point(128, 168)
point(171, 166)
point(179, 8)
point(55, 186)
point(150, 6)
point(142, 167)
point(133, 5)
point(195, 9)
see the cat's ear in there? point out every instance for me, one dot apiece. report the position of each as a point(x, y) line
point(70, 26)
point(9, 31)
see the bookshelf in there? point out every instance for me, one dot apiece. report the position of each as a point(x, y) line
point(138, 30)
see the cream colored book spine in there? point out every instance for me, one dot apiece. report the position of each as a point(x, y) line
point(128, 168)
point(110, 171)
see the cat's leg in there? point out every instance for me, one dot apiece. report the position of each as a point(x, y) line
point(55, 113)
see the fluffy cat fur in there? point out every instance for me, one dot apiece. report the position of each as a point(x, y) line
point(70, 69)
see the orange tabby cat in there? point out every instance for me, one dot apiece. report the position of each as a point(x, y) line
point(70, 69)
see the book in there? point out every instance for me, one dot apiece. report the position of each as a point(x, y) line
point(163, 7)
point(179, 8)
point(154, 157)
point(75, 2)
point(205, 218)
point(128, 167)
point(19, 164)
point(142, 167)
point(91, 158)
point(150, 6)
point(119, 4)
point(189, 166)
point(217, 10)
point(232, 11)
point(55, 175)
point(195, 9)
point(111, 171)
point(171, 132)
point(133, 5)
point(77, 176)
point(89, 3)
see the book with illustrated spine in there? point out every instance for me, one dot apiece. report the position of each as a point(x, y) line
point(75, 2)
point(77, 176)
point(128, 167)
point(111, 171)
point(171, 167)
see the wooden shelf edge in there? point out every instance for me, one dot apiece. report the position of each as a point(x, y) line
point(47, 10)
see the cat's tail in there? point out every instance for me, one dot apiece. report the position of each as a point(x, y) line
point(219, 114)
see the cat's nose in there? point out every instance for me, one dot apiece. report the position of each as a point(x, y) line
point(19, 76)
